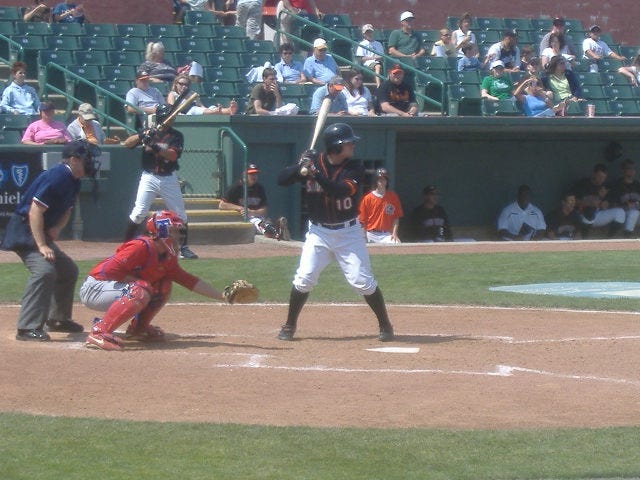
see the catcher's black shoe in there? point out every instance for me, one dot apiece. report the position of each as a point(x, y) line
point(68, 326)
point(286, 333)
point(386, 334)
point(185, 252)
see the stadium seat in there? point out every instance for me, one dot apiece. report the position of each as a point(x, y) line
point(506, 107)
point(593, 92)
point(202, 30)
point(66, 29)
point(610, 64)
point(217, 74)
point(573, 24)
point(170, 44)
point(133, 30)
point(10, 137)
point(227, 45)
point(229, 59)
point(629, 51)
point(31, 42)
point(541, 24)
point(229, 31)
point(62, 43)
point(137, 44)
point(490, 23)
point(196, 45)
point(614, 78)
point(80, 90)
point(10, 13)
point(472, 76)
point(488, 36)
point(100, 29)
point(220, 89)
point(293, 90)
point(196, 17)
point(464, 100)
point(9, 121)
point(433, 63)
point(589, 78)
point(625, 108)
point(428, 35)
point(8, 29)
point(165, 31)
point(63, 58)
point(119, 72)
point(249, 60)
point(336, 19)
point(620, 92)
point(91, 57)
point(580, 65)
point(184, 58)
point(518, 24)
point(259, 46)
point(53, 76)
point(130, 57)
point(96, 43)
point(33, 28)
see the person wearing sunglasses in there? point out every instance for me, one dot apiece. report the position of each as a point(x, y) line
point(289, 70)
point(181, 85)
point(444, 47)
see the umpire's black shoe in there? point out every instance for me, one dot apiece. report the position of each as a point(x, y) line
point(37, 335)
point(68, 326)
point(286, 333)
point(386, 334)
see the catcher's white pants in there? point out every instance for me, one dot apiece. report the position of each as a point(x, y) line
point(347, 247)
point(151, 186)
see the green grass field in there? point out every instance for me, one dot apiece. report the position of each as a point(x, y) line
point(33, 447)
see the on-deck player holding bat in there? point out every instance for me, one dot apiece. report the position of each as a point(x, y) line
point(161, 149)
point(332, 180)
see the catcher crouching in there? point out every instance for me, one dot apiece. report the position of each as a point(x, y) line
point(135, 283)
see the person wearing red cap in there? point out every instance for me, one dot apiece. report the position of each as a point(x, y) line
point(256, 205)
point(395, 95)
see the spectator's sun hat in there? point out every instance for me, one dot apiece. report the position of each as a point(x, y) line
point(406, 16)
point(85, 110)
point(367, 28)
point(496, 63)
point(320, 43)
point(337, 82)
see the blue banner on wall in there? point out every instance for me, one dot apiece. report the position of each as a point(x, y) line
point(17, 170)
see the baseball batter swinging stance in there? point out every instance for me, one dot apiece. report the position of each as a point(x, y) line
point(332, 181)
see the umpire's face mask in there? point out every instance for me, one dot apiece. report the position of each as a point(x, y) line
point(91, 163)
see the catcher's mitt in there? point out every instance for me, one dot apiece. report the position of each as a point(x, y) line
point(240, 291)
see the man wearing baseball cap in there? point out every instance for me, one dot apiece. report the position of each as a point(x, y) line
point(333, 90)
point(496, 86)
point(557, 27)
point(86, 126)
point(143, 96)
point(320, 67)
point(405, 44)
point(507, 51)
point(595, 49)
point(370, 52)
point(396, 96)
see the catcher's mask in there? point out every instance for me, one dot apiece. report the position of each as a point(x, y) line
point(159, 226)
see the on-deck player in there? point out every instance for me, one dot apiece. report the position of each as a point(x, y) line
point(161, 150)
point(332, 183)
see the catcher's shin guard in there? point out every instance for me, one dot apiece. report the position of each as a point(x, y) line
point(158, 300)
point(127, 306)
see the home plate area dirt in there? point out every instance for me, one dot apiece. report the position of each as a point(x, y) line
point(450, 367)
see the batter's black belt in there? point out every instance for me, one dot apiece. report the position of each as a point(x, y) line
point(160, 174)
point(336, 226)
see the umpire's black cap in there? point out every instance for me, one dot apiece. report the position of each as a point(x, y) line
point(77, 148)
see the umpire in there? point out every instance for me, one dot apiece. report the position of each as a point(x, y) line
point(32, 231)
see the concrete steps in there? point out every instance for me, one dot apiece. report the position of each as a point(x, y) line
point(210, 226)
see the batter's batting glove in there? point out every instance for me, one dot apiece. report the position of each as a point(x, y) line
point(308, 157)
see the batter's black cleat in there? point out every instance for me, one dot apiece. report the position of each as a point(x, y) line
point(386, 334)
point(286, 333)
point(68, 326)
point(34, 335)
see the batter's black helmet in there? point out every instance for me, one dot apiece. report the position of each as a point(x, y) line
point(337, 134)
point(162, 112)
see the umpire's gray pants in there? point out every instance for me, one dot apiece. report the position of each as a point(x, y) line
point(49, 291)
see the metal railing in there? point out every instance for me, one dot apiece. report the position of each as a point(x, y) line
point(330, 34)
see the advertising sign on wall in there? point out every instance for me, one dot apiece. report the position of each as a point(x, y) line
point(17, 171)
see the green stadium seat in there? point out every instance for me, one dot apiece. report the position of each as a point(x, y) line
point(629, 51)
point(8, 29)
point(227, 59)
point(227, 45)
point(202, 30)
point(433, 63)
point(53, 76)
point(625, 108)
point(541, 24)
point(220, 89)
point(66, 29)
point(336, 19)
point(517, 24)
point(452, 23)
point(100, 29)
point(620, 92)
point(62, 43)
point(614, 78)
point(589, 78)
point(488, 36)
point(516, 77)
point(293, 90)
point(63, 58)
point(91, 57)
point(137, 44)
point(575, 109)
point(184, 58)
point(196, 45)
point(603, 108)
point(464, 100)
point(80, 90)
point(10, 137)
point(573, 24)
point(96, 43)
point(472, 76)
point(506, 107)
point(9, 121)
point(229, 31)
point(165, 31)
point(610, 64)
point(111, 106)
point(593, 92)
point(119, 72)
point(226, 74)
point(428, 35)
point(31, 45)
point(249, 60)
point(529, 37)
point(133, 30)
point(129, 57)
point(170, 44)
point(490, 23)
point(33, 28)
point(10, 13)
point(259, 46)
point(196, 17)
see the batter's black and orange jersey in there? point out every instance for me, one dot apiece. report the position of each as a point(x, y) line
point(154, 163)
point(333, 195)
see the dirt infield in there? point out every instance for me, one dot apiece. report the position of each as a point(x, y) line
point(450, 367)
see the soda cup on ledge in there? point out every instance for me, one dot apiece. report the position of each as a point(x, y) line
point(591, 110)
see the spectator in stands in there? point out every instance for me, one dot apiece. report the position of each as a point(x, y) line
point(370, 52)
point(19, 98)
point(69, 12)
point(333, 90)
point(359, 99)
point(463, 35)
point(196, 73)
point(507, 51)
point(320, 67)
point(249, 17)
point(632, 72)
point(143, 96)
point(625, 193)
point(297, 7)
point(396, 97)
point(562, 82)
point(405, 44)
point(469, 61)
point(592, 203)
point(534, 67)
point(86, 126)
point(556, 47)
point(563, 223)
point(521, 220)
point(496, 86)
point(47, 130)
point(444, 47)
point(158, 68)
point(595, 49)
point(287, 69)
point(534, 100)
point(557, 28)
point(265, 97)
point(526, 54)
point(181, 86)
point(429, 222)
point(38, 12)
point(225, 10)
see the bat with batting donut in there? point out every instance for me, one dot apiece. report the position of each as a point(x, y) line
point(320, 121)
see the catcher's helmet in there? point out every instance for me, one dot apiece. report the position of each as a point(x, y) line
point(337, 134)
point(159, 223)
point(162, 112)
